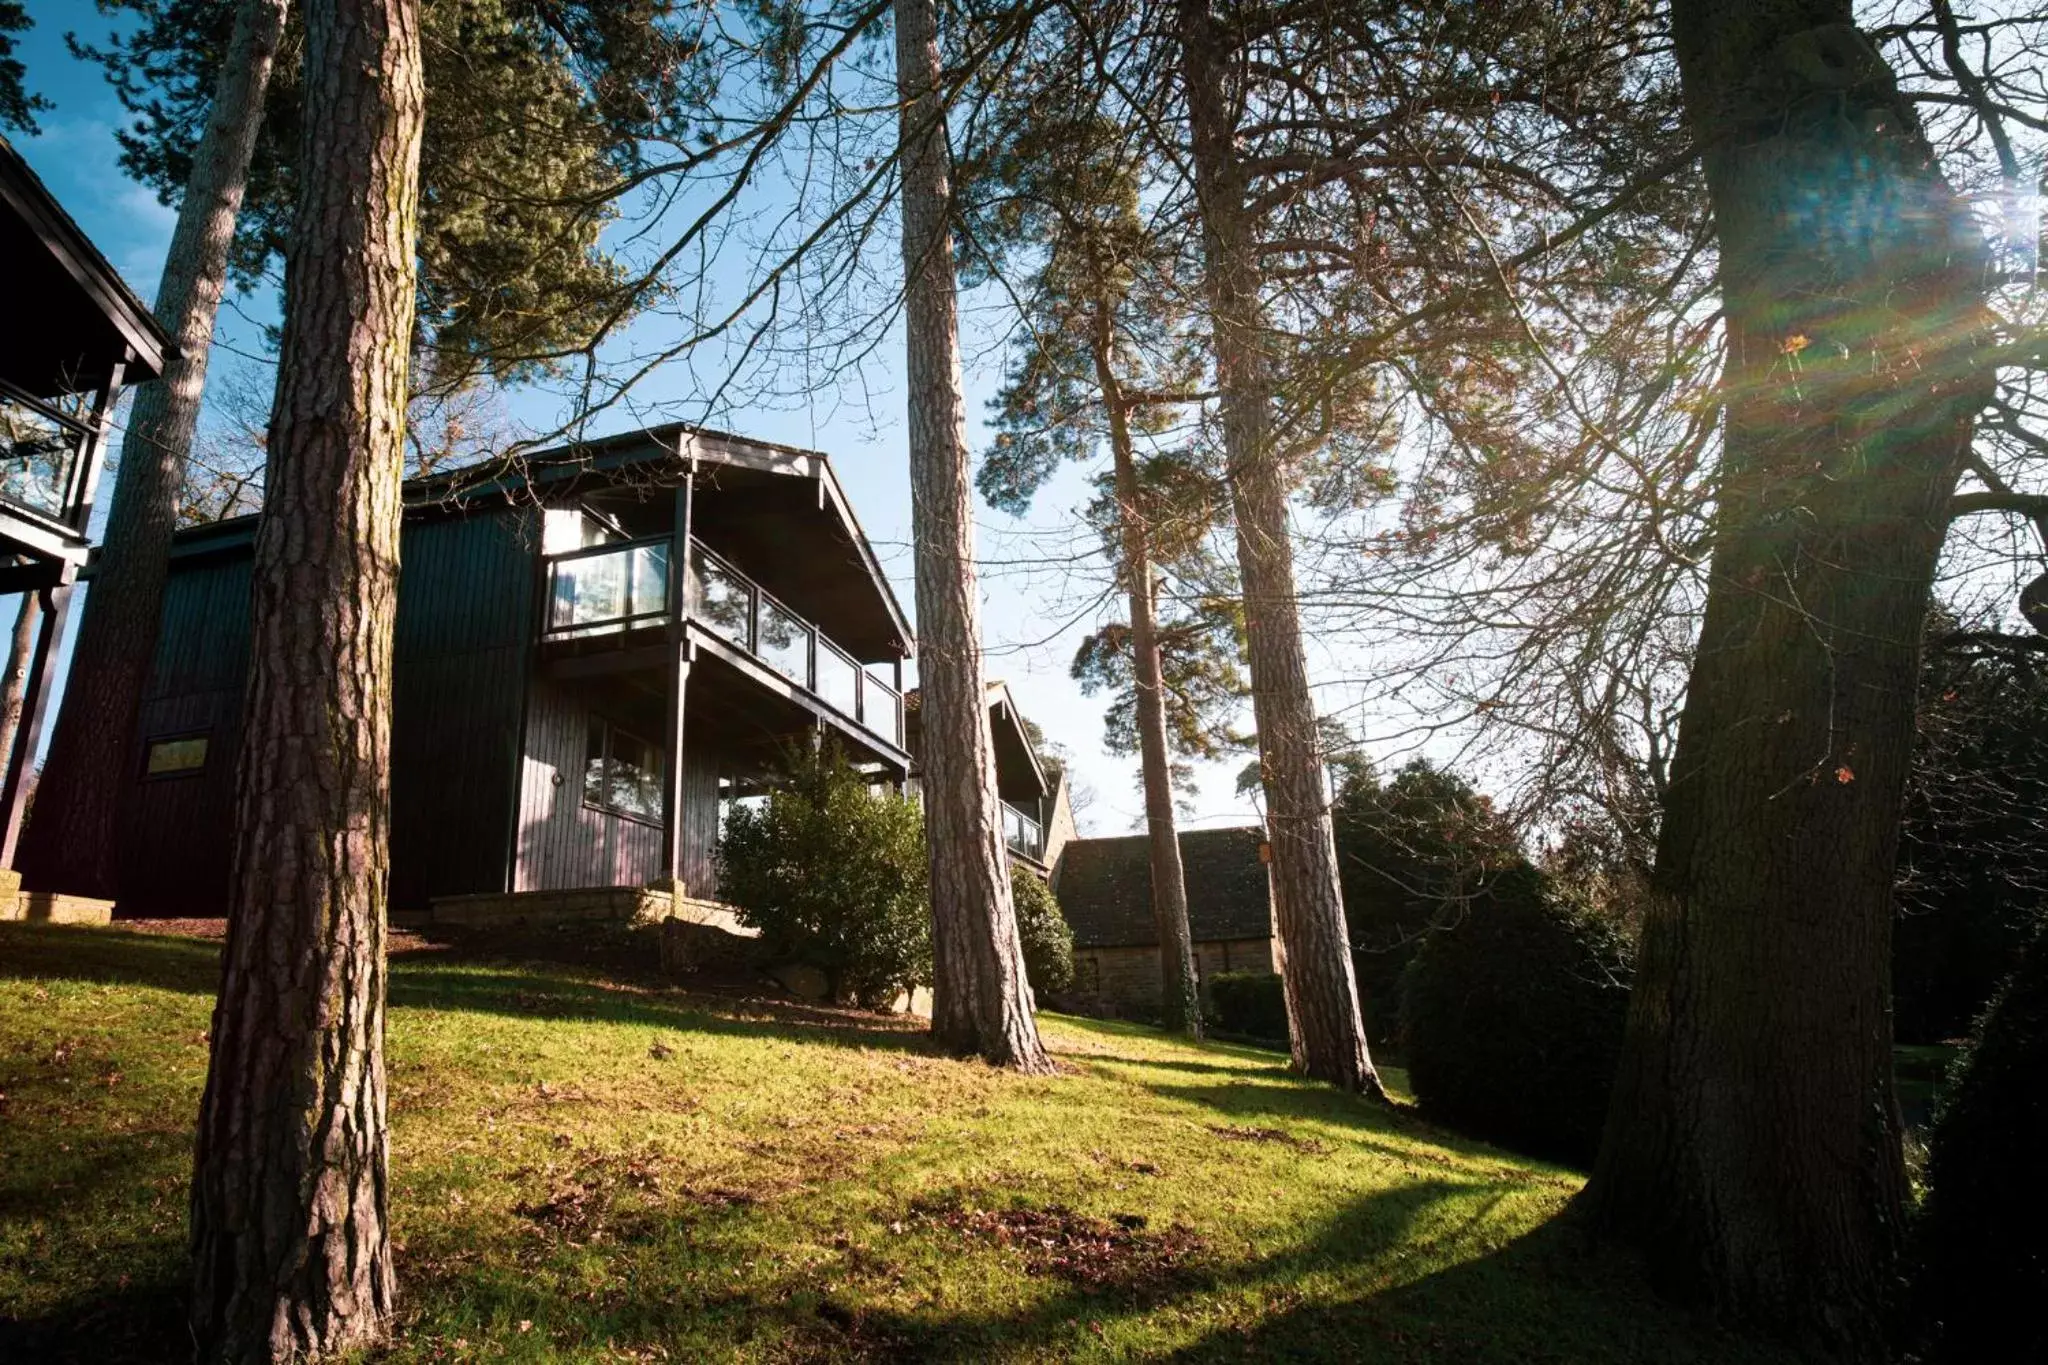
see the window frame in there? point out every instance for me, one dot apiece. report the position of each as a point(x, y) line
point(150, 744)
point(612, 729)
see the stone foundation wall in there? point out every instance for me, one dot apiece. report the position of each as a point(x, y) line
point(638, 905)
point(50, 907)
point(1123, 983)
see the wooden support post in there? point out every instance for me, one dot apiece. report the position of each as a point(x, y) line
point(35, 698)
point(674, 793)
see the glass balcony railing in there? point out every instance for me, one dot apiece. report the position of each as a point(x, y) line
point(616, 587)
point(607, 587)
point(1022, 832)
point(39, 449)
point(749, 617)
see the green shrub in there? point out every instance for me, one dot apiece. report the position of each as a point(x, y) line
point(833, 875)
point(1048, 942)
point(1984, 1237)
point(1512, 1021)
point(1249, 1004)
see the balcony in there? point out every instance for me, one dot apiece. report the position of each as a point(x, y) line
point(40, 446)
point(1023, 833)
point(625, 586)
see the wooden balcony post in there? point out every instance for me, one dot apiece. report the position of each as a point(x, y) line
point(674, 793)
point(34, 704)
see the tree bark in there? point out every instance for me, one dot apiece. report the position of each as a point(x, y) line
point(1321, 985)
point(291, 1258)
point(1179, 992)
point(979, 1004)
point(21, 650)
point(72, 847)
point(1753, 1145)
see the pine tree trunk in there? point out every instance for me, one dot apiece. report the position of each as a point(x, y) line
point(1753, 1147)
point(979, 1003)
point(1321, 985)
point(92, 749)
point(290, 1252)
point(1179, 992)
point(21, 650)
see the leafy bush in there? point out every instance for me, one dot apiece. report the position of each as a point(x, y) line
point(833, 875)
point(1048, 942)
point(1412, 852)
point(1249, 1004)
point(1513, 1018)
point(1973, 857)
point(1984, 1238)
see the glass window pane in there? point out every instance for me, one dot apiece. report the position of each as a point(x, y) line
point(650, 579)
point(593, 764)
point(882, 710)
point(587, 589)
point(785, 643)
point(719, 599)
point(837, 678)
point(36, 454)
point(636, 776)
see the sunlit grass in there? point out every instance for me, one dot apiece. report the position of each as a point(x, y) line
point(588, 1169)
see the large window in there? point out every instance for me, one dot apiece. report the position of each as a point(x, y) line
point(38, 449)
point(622, 773)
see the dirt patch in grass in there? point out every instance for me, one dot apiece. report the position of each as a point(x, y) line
point(582, 1203)
point(1313, 1146)
point(398, 941)
point(1116, 1253)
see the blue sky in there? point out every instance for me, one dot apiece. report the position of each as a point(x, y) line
point(1040, 586)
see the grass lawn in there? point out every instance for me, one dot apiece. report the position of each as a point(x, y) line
point(587, 1166)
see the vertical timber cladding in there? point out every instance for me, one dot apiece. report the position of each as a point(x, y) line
point(699, 871)
point(463, 649)
point(177, 831)
point(564, 843)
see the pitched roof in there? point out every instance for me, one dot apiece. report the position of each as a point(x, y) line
point(1105, 888)
point(71, 315)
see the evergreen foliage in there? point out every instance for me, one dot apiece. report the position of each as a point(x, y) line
point(1414, 853)
point(1047, 939)
point(1512, 1019)
point(1973, 852)
point(535, 115)
point(18, 107)
point(833, 875)
point(1984, 1254)
point(1249, 1004)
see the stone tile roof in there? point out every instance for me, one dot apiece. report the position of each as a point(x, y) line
point(1105, 888)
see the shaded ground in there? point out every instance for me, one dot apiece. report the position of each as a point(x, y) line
point(588, 1166)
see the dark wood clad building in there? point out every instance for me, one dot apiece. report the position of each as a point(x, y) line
point(1036, 820)
point(595, 651)
point(1104, 888)
point(73, 335)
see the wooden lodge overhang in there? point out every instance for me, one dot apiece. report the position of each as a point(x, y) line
point(74, 334)
point(1020, 779)
point(72, 322)
point(778, 512)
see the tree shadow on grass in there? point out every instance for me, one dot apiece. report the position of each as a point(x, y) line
point(136, 1324)
point(466, 979)
point(1547, 1295)
point(113, 957)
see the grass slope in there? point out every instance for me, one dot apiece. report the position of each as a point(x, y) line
point(586, 1168)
